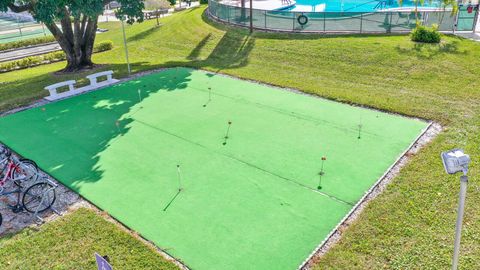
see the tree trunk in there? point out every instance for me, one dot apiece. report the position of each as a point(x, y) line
point(76, 40)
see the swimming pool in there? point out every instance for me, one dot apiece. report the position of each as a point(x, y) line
point(358, 16)
point(355, 5)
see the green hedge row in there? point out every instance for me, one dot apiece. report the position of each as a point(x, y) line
point(26, 42)
point(47, 58)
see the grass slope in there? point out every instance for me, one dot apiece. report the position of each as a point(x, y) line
point(411, 224)
point(71, 242)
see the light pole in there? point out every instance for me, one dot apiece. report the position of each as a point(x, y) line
point(456, 161)
point(125, 44)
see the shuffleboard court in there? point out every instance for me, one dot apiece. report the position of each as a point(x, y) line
point(153, 153)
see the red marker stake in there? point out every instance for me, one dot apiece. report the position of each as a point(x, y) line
point(321, 173)
point(44, 113)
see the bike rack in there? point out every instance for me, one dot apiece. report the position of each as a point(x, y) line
point(45, 195)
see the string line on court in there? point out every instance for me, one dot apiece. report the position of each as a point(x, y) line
point(246, 163)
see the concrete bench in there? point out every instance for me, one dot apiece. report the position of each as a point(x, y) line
point(94, 78)
point(94, 84)
point(52, 89)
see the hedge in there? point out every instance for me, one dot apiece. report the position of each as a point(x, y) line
point(26, 42)
point(32, 61)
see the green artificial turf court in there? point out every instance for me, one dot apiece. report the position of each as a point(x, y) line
point(246, 202)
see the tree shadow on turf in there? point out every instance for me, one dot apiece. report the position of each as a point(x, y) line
point(69, 146)
point(429, 51)
point(230, 52)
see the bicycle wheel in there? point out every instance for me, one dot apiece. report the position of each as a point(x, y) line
point(39, 197)
point(25, 170)
point(4, 152)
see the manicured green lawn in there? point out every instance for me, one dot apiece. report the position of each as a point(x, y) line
point(71, 242)
point(411, 224)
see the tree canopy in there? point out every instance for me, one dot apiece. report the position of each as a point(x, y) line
point(73, 23)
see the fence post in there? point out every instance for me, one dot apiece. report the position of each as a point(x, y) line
point(19, 27)
point(361, 22)
point(324, 21)
point(265, 16)
point(389, 29)
point(228, 15)
point(293, 21)
point(455, 24)
point(475, 18)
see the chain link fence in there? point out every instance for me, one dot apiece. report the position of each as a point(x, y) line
point(14, 27)
point(386, 21)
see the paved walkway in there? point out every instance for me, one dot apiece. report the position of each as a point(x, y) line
point(472, 36)
point(29, 51)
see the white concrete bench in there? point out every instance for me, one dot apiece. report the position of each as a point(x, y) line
point(94, 84)
point(94, 78)
point(52, 89)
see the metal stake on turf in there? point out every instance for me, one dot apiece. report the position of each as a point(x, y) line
point(117, 123)
point(209, 97)
point(140, 95)
point(227, 133)
point(360, 128)
point(44, 112)
point(179, 179)
point(321, 173)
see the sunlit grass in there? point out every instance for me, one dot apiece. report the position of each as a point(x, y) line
point(409, 226)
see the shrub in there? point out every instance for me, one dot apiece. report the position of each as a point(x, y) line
point(203, 1)
point(425, 34)
point(103, 46)
point(26, 42)
point(47, 58)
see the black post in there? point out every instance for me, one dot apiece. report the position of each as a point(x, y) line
point(251, 18)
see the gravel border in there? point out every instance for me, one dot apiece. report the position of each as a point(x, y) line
point(335, 235)
point(68, 200)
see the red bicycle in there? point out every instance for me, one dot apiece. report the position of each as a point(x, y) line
point(15, 170)
point(19, 176)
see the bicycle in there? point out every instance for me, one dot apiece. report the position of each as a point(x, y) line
point(17, 173)
point(15, 170)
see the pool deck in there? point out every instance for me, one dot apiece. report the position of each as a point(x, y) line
point(264, 4)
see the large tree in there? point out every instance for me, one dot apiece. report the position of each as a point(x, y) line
point(73, 23)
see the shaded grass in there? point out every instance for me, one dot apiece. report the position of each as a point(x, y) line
point(411, 224)
point(71, 242)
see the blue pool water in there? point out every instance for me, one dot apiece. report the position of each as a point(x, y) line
point(354, 5)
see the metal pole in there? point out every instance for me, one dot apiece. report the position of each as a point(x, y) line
point(265, 16)
point(126, 48)
point(251, 18)
point(475, 20)
point(361, 22)
point(458, 227)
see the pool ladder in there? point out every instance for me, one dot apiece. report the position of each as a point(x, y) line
point(381, 5)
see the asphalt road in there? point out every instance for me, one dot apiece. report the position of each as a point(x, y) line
point(29, 51)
